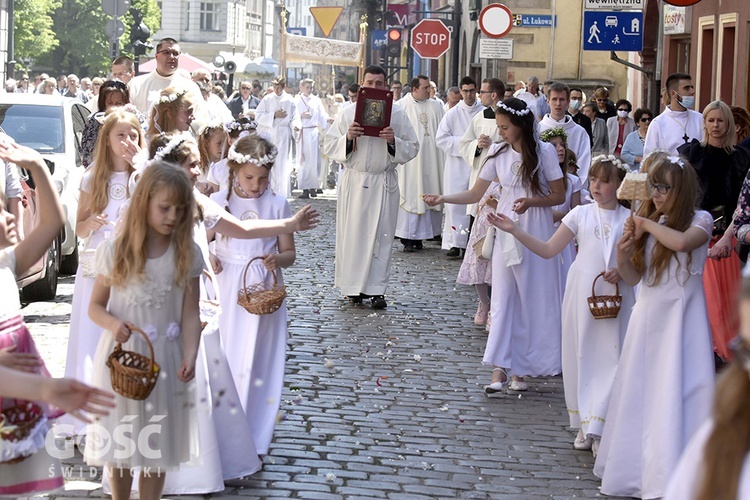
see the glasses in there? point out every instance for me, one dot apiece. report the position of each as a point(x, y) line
point(169, 53)
point(623, 109)
point(661, 188)
point(25, 79)
point(246, 88)
point(645, 119)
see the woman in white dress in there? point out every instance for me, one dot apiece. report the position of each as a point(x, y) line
point(104, 191)
point(522, 342)
point(664, 382)
point(255, 344)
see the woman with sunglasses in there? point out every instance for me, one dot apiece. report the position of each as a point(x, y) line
point(112, 94)
point(721, 169)
point(632, 149)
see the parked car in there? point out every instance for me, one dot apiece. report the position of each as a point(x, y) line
point(53, 126)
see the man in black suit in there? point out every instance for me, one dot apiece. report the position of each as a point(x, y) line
point(244, 101)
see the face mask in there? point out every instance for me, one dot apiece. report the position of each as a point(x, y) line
point(575, 105)
point(622, 114)
point(687, 101)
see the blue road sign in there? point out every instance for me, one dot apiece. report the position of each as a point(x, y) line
point(620, 31)
point(301, 31)
point(534, 20)
point(379, 39)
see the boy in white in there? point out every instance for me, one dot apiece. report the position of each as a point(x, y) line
point(274, 115)
point(310, 117)
point(578, 140)
point(678, 124)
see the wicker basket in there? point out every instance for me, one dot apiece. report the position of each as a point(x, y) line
point(260, 298)
point(133, 375)
point(21, 419)
point(87, 260)
point(604, 306)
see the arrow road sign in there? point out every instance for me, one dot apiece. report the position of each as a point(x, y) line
point(619, 31)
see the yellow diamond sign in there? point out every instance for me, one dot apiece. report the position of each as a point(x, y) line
point(326, 17)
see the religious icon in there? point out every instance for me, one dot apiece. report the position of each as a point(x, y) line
point(373, 111)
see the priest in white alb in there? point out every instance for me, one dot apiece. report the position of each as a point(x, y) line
point(368, 197)
point(678, 124)
point(424, 174)
point(274, 115)
point(578, 140)
point(457, 172)
point(311, 117)
point(482, 132)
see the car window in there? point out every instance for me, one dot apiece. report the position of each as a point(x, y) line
point(38, 127)
point(80, 114)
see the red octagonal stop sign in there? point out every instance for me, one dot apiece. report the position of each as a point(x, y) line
point(430, 38)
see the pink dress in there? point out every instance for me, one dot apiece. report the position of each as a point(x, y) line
point(476, 270)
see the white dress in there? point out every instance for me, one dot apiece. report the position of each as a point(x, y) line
point(568, 254)
point(84, 333)
point(255, 345)
point(591, 347)
point(664, 383)
point(218, 173)
point(521, 339)
point(167, 418)
point(689, 474)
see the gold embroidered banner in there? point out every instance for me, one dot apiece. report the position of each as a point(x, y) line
point(322, 50)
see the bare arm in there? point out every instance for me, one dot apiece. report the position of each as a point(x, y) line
point(86, 222)
point(468, 197)
point(625, 251)
point(51, 215)
point(286, 256)
point(101, 316)
point(229, 225)
point(544, 249)
point(677, 241)
point(555, 197)
point(15, 207)
point(191, 330)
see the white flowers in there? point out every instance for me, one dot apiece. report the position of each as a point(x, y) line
point(676, 160)
point(166, 99)
point(173, 332)
point(612, 159)
point(173, 143)
point(228, 127)
point(517, 112)
point(263, 161)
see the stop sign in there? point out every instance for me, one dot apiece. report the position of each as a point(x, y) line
point(430, 39)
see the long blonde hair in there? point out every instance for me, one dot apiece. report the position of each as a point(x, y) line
point(730, 136)
point(204, 138)
point(130, 246)
point(679, 209)
point(171, 100)
point(104, 157)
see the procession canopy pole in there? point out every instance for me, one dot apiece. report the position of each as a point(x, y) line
point(362, 41)
point(333, 80)
point(282, 63)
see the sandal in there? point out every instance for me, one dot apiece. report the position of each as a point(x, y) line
point(497, 386)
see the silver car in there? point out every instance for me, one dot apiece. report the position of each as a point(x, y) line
point(53, 126)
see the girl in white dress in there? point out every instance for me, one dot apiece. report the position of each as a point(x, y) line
point(38, 471)
point(559, 139)
point(716, 464)
point(104, 191)
point(173, 112)
point(218, 173)
point(211, 141)
point(664, 383)
point(255, 345)
point(522, 342)
point(590, 347)
point(148, 277)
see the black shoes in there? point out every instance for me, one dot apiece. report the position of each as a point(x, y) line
point(319, 191)
point(356, 299)
point(377, 301)
point(454, 253)
point(313, 193)
point(409, 248)
point(305, 195)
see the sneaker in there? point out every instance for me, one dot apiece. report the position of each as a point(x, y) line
point(453, 253)
point(518, 386)
point(495, 387)
point(582, 443)
point(480, 318)
point(378, 302)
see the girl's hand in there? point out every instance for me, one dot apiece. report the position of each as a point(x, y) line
point(22, 156)
point(96, 221)
point(722, 249)
point(626, 245)
point(270, 261)
point(74, 397)
point(121, 331)
point(205, 188)
point(639, 226)
point(432, 199)
point(612, 276)
point(491, 202)
point(216, 264)
point(502, 222)
point(23, 361)
point(521, 205)
point(128, 149)
point(187, 369)
point(306, 218)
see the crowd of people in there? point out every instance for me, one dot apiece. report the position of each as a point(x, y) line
point(184, 203)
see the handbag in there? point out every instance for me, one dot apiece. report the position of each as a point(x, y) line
point(488, 243)
point(511, 248)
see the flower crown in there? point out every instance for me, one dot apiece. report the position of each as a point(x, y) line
point(612, 159)
point(548, 134)
point(675, 160)
point(517, 112)
point(264, 161)
point(235, 125)
point(166, 99)
point(173, 143)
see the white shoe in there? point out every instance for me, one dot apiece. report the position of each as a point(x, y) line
point(582, 443)
point(495, 387)
point(595, 447)
point(518, 385)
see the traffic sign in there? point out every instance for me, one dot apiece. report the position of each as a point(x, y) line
point(299, 31)
point(614, 4)
point(430, 38)
point(379, 39)
point(115, 8)
point(621, 31)
point(114, 28)
point(326, 17)
point(682, 3)
point(490, 48)
point(534, 20)
point(495, 20)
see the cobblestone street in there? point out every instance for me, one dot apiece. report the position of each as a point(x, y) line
point(387, 404)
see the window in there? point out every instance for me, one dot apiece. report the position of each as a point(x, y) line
point(210, 16)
